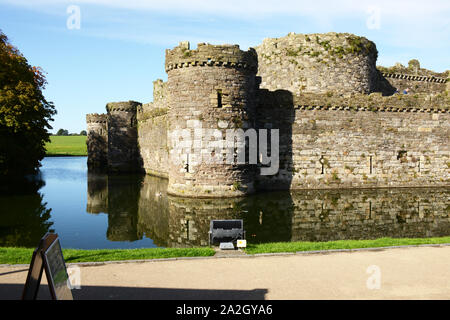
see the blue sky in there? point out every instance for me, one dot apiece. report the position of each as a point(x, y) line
point(119, 48)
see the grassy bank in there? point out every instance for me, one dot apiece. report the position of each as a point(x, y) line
point(340, 244)
point(66, 146)
point(23, 255)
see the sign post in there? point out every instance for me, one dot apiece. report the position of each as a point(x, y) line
point(48, 256)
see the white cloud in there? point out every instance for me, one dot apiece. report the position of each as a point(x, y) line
point(400, 9)
point(410, 25)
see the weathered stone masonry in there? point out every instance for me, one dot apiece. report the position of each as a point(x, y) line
point(97, 137)
point(340, 123)
point(206, 86)
point(318, 63)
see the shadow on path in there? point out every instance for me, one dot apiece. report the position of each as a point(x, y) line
point(14, 292)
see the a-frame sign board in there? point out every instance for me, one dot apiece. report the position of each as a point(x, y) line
point(48, 256)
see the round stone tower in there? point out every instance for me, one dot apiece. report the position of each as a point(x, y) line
point(211, 91)
point(332, 62)
point(97, 141)
point(123, 152)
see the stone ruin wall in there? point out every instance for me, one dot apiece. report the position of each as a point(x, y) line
point(318, 63)
point(213, 87)
point(415, 83)
point(417, 79)
point(152, 131)
point(371, 141)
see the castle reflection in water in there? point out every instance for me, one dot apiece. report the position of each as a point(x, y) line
point(139, 207)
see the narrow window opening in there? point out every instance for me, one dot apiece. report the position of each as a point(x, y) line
point(186, 167)
point(371, 167)
point(401, 154)
point(322, 163)
point(187, 229)
point(219, 98)
point(419, 165)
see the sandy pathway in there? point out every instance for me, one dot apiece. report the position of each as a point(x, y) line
point(405, 273)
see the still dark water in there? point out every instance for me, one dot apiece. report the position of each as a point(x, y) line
point(98, 211)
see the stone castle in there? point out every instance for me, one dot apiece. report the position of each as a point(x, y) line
point(343, 122)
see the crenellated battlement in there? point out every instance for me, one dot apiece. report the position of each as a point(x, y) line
point(97, 140)
point(372, 109)
point(126, 106)
point(96, 118)
point(414, 77)
point(210, 55)
point(419, 102)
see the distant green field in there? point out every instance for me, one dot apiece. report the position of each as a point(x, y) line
point(67, 146)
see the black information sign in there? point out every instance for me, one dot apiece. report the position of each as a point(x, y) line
point(48, 256)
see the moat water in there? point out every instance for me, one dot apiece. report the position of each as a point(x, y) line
point(128, 211)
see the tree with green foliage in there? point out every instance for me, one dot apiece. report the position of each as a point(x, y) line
point(62, 132)
point(83, 133)
point(24, 113)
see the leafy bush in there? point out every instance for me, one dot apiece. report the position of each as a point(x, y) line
point(24, 113)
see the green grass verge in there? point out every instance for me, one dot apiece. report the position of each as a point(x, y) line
point(340, 244)
point(66, 146)
point(23, 255)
